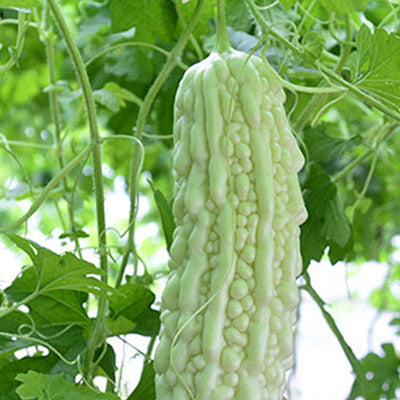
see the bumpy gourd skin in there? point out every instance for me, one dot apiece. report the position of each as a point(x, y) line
point(235, 253)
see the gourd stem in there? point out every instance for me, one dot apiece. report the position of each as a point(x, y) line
point(223, 42)
point(97, 334)
point(354, 362)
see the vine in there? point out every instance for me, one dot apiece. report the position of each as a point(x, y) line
point(97, 334)
point(374, 102)
point(140, 123)
point(16, 53)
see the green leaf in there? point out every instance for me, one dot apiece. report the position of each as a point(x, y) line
point(344, 6)
point(165, 212)
point(237, 15)
point(396, 322)
point(74, 234)
point(377, 10)
point(57, 308)
point(326, 221)
point(385, 299)
point(375, 65)
point(133, 302)
point(132, 64)
point(37, 386)
point(242, 41)
point(313, 44)
point(10, 370)
point(382, 374)
point(208, 12)
point(337, 225)
point(337, 253)
point(67, 339)
point(323, 147)
point(22, 191)
point(151, 18)
point(120, 326)
point(107, 98)
point(11, 324)
point(52, 273)
point(107, 362)
point(288, 3)
point(54, 288)
point(145, 390)
point(122, 94)
point(23, 4)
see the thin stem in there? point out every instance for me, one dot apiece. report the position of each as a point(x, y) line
point(47, 190)
point(154, 136)
point(8, 310)
point(94, 133)
point(168, 67)
point(346, 47)
point(387, 17)
point(21, 167)
point(97, 335)
point(354, 362)
point(325, 107)
point(333, 33)
point(299, 88)
point(18, 143)
point(140, 352)
point(55, 115)
point(134, 44)
point(140, 123)
point(150, 347)
point(366, 185)
point(386, 131)
point(60, 215)
point(223, 42)
point(192, 39)
point(307, 13)
point(22, 26)
point(384, 289)
point(121, 368)
point(268, 6)
point(372, 101)
point(318, 101)
point(42, 33)
point(13, 21)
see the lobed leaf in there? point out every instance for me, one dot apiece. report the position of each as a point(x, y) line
point(37, 386)
point(326, 221)
point(375, 65)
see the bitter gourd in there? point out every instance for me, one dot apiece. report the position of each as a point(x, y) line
point(229, 304)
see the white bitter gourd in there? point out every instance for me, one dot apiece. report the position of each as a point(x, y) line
point(229, 304)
